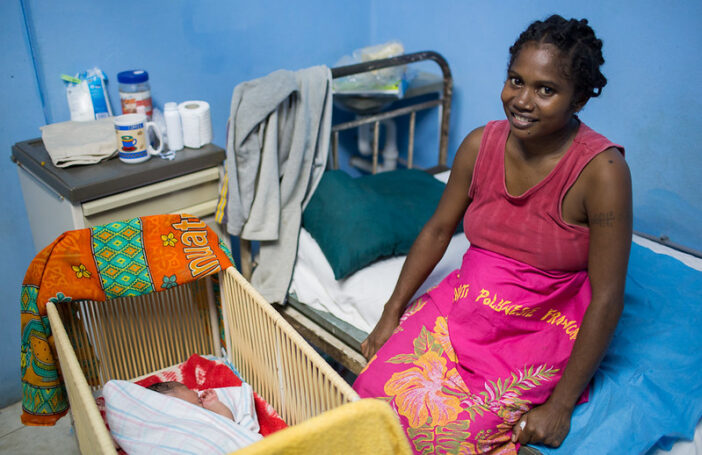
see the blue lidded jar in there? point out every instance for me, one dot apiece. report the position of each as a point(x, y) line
point(135, 92)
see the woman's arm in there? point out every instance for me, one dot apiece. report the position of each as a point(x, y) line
point(607, 203)
point(430, 244)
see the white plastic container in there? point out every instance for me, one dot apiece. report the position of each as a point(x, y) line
point(174, 127)
point(135, 92)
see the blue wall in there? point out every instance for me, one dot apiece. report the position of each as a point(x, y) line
point(191, 49)
point(201, 50)
point(650, 104)
point(21, 118)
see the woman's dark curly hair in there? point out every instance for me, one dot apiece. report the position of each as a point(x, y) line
point(576, 40)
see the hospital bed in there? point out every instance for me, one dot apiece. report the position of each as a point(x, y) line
point(336, 315)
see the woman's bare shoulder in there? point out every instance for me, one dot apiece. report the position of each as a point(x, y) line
point(607, 184)
point(473, 139)
point(468, 150)
point(606, 167)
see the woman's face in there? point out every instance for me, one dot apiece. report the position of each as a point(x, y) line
point(537, 96)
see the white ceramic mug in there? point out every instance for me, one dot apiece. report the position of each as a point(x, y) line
point(133, 138)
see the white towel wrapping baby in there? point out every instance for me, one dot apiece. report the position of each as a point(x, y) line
point(147, 422)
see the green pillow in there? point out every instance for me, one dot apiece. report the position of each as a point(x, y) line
point(357, 221)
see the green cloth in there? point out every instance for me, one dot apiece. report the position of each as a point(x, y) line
point(357, 221)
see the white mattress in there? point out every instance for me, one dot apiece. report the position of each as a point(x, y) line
point(359, 299)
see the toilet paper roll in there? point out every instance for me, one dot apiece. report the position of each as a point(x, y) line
point(196, 122)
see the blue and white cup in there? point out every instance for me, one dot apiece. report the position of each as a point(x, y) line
point(133, 138)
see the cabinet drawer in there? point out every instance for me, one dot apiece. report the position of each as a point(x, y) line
point(196, 192)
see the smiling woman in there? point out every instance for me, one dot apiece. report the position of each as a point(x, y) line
point(500, 352)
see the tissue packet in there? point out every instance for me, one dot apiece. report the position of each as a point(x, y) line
point(87, 95)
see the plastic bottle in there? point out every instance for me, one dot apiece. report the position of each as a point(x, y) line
point(134, 91)
point(174, 128)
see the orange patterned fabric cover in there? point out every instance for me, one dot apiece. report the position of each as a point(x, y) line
point(127, 258)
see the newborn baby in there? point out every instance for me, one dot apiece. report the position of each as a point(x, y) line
point(207, 399)
point(145, 423)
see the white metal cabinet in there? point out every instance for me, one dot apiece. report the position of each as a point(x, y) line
point(58, 200)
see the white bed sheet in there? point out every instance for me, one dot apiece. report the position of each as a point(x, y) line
point(681, 447)
point(359, 299)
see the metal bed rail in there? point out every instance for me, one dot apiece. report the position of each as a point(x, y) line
point(444, 104)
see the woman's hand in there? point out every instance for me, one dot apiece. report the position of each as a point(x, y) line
point(380, 334)
point(547, 424)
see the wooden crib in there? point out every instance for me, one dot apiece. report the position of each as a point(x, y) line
point(130, 337)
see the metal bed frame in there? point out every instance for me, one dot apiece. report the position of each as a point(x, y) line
point(336, 338)
point(444, 102)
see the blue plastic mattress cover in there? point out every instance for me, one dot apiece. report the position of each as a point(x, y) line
point(647, 392)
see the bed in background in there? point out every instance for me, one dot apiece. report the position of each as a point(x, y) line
point(647, 395)
point(427, 92)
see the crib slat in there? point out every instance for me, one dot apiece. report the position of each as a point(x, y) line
point(101, 342)
point(214, 328)
point(147, 338)
point(108, 326)
point(91, 432)
point(132, 335)
point(126, 363)
point(335, 150)
point(203, 327)
point(275, 360)
point(182, 325)
point(128, 337)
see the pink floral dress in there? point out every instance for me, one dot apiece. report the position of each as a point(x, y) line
point(476, 352)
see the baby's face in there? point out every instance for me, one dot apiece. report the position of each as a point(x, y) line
point(184, 393)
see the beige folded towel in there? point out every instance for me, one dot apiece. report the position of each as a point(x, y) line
point(72, 143)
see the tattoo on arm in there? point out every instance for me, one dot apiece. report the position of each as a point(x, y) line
point(603, 219)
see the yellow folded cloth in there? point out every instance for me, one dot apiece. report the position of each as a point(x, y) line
point(367, 426)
